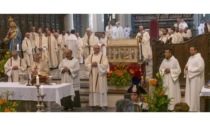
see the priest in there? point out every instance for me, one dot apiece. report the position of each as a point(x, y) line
point(14, 66)
point(89, 40)
point(39, 66)
point(143, 38)
point(103, 43)
point(61, 47)
point(52, 50)
point(69, 68)
point(97, 66)
point(194, 73)
point(41, 44)
point(27, 47)
point(171, 69)
point(73, 44)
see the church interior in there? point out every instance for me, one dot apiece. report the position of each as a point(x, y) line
point(135, 46)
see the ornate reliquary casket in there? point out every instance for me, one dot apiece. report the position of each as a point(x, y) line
point(122, 51)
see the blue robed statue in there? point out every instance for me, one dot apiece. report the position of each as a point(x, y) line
point(14, 37)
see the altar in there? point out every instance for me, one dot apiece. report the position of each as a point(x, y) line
point(205, 99)
point(54, 93)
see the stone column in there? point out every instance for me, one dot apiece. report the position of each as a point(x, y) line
point(100, 22)
point(122, 20)
point(68, 22)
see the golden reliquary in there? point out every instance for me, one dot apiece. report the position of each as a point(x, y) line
point(122, 51)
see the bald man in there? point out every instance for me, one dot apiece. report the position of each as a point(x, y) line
point(27, 47)
point(97, 66)
point(69, 68)
point(14, 66)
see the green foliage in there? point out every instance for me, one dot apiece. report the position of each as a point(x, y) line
point(158, 101)
point(3, 62)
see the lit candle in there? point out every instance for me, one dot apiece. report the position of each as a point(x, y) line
point(37, 79)
point(17, 47)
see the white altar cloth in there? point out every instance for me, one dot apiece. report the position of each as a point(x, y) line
point(29, 93)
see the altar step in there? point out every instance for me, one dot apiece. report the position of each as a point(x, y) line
point(84, 92)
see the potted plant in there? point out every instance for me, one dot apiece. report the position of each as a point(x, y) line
point(157, 101)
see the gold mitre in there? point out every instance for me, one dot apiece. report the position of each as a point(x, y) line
point(10, 19)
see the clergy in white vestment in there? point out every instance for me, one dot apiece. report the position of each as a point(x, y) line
point(27, 47)
point(194, 73)
point(201, 27)
point(69, 68)
point(41, 44)
point(171, 69)
point(14, 66)
point(117, 31)
point(182, 24)
point(52, 50)
point(178, 34)
point(97, 66)
point(80, 50)
point(33, 35)
point(73, 44)
point(109, 28)
point(127, 32)
point(188, 33)
point(39, 67)
point(164, 37)
point(103, 43)
point(89, 41)
point(172, 36)
point(61, 47)
point(144, 43)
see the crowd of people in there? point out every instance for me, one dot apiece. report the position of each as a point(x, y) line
point(66, 51)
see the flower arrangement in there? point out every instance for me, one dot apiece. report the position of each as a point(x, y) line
point(5, 104)
point(121, 75)
point(3, 62)
point(157, 101)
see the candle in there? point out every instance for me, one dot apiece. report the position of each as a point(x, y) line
point(37, 79)
point(18, 47)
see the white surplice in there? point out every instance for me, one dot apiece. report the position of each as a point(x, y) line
point(74, 67)
point(13, 75)
point(171, 80)
point(97, 79)
point(194, 81)
point(73, 44)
